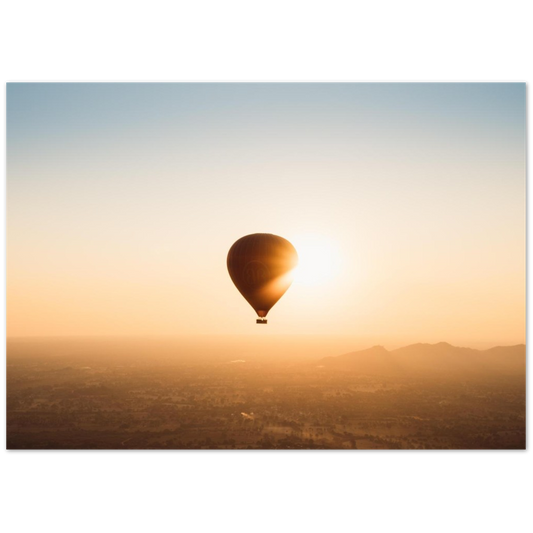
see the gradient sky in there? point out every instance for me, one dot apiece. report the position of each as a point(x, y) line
point(123, 200)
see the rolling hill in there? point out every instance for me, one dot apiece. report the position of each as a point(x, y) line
point(441, 358)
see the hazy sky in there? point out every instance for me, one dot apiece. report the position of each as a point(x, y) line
point(123, 200)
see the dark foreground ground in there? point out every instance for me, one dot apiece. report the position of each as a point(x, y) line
point(81, 400)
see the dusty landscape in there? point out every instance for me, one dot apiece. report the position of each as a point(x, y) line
point(87, 396)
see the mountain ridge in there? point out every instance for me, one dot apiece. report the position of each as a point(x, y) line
point(441, 357)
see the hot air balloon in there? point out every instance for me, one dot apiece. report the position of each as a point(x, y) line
point(259, 265)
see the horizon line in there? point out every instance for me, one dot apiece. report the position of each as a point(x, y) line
point(239, 335)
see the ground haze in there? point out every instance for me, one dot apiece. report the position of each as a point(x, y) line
point(241, 393)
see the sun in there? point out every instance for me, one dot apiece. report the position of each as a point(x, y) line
point(318, 260)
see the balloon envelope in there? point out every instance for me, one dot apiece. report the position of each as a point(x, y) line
point(259, 266)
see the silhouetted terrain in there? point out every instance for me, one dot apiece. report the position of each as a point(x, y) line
point(441, 358)
point(155, 394)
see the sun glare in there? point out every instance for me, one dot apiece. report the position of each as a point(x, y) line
point(318, 260)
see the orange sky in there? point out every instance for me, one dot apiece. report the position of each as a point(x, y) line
point(123, 201)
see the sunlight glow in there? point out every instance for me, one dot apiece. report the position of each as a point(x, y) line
point(318, 260)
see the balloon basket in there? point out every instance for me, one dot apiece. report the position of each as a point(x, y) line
point(261, 321)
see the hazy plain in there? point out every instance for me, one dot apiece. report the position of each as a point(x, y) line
point(255, 393)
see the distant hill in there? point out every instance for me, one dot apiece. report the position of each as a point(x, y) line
point(441, 358)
